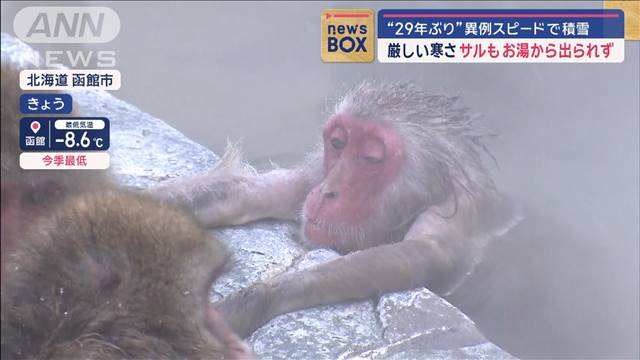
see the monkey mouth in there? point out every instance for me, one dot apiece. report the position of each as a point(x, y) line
point(323, 233)
point(316, 233)
point(318, 224)
point(315, 222)
point(314, 229)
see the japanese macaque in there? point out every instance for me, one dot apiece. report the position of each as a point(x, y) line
point(113, 275)
point(400, 187)
point(90, 271)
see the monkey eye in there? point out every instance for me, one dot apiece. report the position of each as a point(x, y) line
point(337, 143)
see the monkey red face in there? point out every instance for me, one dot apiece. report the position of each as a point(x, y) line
point(361, 158)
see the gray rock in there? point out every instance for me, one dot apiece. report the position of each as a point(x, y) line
point(419, 324)
point(406, 325)
point(260, 251)
point(423, 347)
point(325, 332)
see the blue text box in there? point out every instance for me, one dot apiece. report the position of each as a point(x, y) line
point(46, 103)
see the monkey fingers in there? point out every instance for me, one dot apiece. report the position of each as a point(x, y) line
point(235, 347)
point(248, 309)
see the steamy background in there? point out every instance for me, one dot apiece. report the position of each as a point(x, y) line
point(569, 133)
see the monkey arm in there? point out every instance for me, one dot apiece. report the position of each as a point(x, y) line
point(361, 275)
point(434, 253)
point(219, 198)
point(369, 273)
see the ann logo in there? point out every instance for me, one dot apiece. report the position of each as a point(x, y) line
point(66, 24)
point(347, 35)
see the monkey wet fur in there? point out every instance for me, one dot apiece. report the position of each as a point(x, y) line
point(134, 283)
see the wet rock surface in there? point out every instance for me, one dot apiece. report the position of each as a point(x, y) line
point(407, 325)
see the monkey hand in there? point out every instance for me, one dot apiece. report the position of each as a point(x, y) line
point(248, 309)
point(234, 346)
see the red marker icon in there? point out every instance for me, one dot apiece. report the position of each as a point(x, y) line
point(35, 126)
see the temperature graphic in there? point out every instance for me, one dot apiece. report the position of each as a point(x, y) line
point(64, 134)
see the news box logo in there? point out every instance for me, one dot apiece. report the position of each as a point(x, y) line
point(348, 35)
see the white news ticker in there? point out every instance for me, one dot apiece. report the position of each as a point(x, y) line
point(98, 160)
point(26, 74)
point(616, 51)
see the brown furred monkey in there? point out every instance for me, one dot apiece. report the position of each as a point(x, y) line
point(114, 275)
point(91, 271)
point(399, 186)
